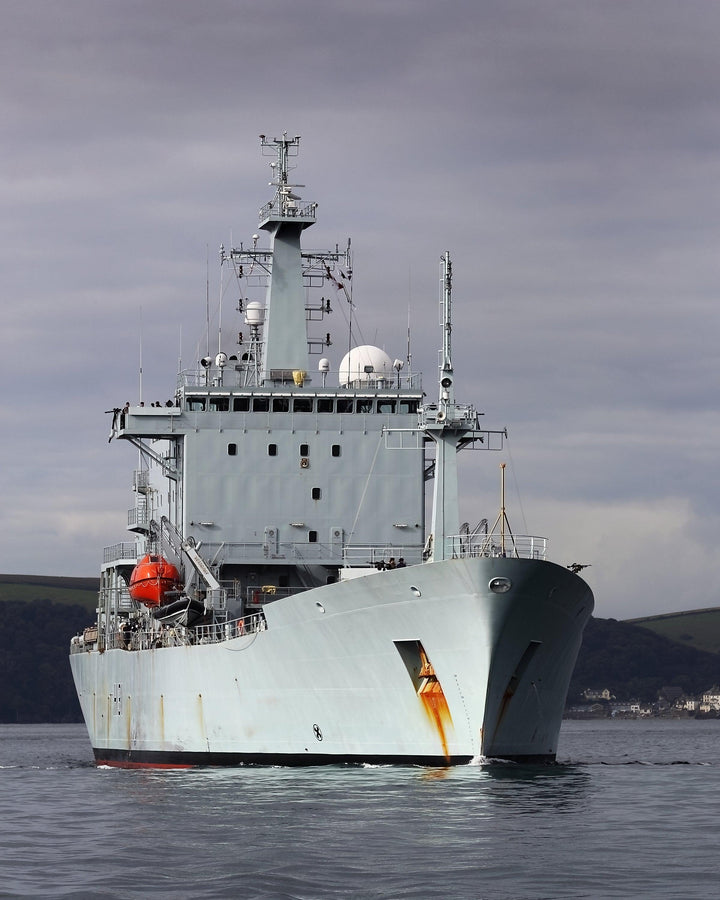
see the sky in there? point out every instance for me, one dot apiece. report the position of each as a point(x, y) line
point(565, 152)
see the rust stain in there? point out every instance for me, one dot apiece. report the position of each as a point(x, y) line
point(128, 720)
point(201, 717)
point(507, 696)
point(433, 699)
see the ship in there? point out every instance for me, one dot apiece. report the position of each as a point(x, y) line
point(296, 586)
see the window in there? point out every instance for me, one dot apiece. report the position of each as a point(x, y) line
point(241, 404)
point(232, 449)
point(316, 493)
point(312, 537)
point(281, 404)
point(302, 404)
point(272, 449)
point(364, 405)
point(408, 406)
point(345, 404)
point(195, 404)
point(386, 406)
point(261, 404)
point(219, 404)
point(325, 404)
point(335, 450)
point(304, 450)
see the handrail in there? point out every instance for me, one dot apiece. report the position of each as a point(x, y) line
point(200, 380)
point(520, 546)
point(374, 554)
point(170, 635)
point(116, 552)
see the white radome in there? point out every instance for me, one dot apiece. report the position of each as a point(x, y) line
point(365, 363)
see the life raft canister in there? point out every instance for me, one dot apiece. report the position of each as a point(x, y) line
point(151, 579)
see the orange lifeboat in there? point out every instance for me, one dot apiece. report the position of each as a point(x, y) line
point(151, 580)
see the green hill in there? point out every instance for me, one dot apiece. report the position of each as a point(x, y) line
point(633, 661)
point(80, 591)
point(698, 628)
point(34, 669)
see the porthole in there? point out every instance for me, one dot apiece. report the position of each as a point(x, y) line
point(500, 585)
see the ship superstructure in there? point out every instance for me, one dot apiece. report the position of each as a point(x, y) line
point(284, 598)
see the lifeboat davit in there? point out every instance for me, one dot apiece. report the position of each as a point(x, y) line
point(151, 580)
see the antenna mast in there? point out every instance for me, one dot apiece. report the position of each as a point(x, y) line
point(447, 393)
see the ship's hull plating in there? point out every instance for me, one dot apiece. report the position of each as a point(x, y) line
point(421, 665)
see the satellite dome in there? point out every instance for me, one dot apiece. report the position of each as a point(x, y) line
point(254, 313)
point(365, 364)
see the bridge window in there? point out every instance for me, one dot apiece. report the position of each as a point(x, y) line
point(261, 404)
point(364, 405)
point(281, 404)
point(408, 406)
point(195, 404)
point(345, 405)
point(325, 404)
point(220, 404)
point(302, 404)
point(241, 404)
point(386, 405)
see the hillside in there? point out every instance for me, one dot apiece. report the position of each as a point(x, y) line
point(34, 669)
point(41, 613)
point(634, 662)
point(698, 628)
point(80, 591)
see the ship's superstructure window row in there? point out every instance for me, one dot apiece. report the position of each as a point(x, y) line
point(267, 403)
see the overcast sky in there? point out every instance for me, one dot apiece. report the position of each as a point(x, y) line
point(566, 153)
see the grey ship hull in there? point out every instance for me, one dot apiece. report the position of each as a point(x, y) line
point(336, 675)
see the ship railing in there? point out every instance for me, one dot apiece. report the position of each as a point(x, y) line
point(260, 594)
point(125, 550)
point(520, 546)
point(138, 517)
point(235, 376)
point(287, 208)
point(172, 635)
point(225, 631)
point(378, 556)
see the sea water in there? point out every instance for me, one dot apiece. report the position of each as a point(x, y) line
point(630, 812)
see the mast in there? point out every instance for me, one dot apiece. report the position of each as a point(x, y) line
point(446, 514)
point(285, 332)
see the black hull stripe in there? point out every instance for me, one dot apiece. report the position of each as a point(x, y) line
point(160, 759)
